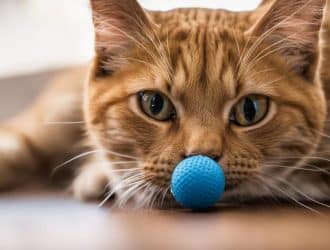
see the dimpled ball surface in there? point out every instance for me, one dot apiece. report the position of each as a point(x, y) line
point(197, 182)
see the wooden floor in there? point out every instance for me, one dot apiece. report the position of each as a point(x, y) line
point(38, 218)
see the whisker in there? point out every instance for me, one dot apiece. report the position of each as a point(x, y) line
point(145, 196)
point(260, 55)
point(132, 191)
point(256, 60)
point(167, 44)
point(301, 193)
point(164, 195)
point(84, 154)
point(154, 197)
point(136, 60)
point(122, 155)
point(125, 170)
point(296, 168)
point(107, 197)
point(242, 58)
point(122, 162)
point(134, 177)
point(236, 43)
point(75, 158)
point(322, 133)
point(133, 180)
point(257, 180)
point(273, 186)
point(64, 122)
point(262, 72)
point(149, 198)
point(267, 84)
point(122, 184)
point(297, 157)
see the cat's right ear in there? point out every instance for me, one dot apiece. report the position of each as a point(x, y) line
point(291, 28)
point(120, 25)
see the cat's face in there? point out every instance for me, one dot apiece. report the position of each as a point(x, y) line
point(165, 86)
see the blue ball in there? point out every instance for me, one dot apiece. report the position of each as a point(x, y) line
point(197, 182)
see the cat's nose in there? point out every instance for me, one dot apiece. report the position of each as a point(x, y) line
point(212, 156)
point(206, 145)
point(203, 140)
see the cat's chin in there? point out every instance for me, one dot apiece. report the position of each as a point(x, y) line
point(156, 198)
point(245, 192)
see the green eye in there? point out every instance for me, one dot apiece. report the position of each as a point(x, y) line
point(250, 110)
point(156, 105)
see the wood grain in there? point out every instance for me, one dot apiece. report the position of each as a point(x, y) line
point(48, 219)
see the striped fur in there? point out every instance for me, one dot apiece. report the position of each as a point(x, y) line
point(204, 61)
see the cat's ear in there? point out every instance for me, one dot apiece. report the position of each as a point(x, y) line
point(291, 28)
point(120, 26)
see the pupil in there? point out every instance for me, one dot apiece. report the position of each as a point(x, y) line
point(250, 109)
point(156, 104)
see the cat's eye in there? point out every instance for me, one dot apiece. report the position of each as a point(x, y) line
point(250, 110)
point(156, 105)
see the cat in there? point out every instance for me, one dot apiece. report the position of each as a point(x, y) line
point(248, 89)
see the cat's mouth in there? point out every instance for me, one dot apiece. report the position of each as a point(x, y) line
point(154, 192)
point(147, 184)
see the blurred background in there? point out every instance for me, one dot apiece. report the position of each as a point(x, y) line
point(38, 35)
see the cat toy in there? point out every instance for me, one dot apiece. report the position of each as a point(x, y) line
point(197, 182)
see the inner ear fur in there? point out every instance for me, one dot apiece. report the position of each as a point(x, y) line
point(291, 28)
point(120, 25)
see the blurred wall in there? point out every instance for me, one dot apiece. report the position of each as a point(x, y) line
point(38, 35)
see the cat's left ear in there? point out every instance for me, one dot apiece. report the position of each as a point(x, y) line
point(291, 28)
point(120, 26)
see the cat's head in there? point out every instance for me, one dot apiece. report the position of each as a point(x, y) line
point(240, 89)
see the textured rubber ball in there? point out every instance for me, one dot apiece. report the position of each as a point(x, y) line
point(197, 182)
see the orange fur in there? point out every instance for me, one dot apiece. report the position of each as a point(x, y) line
point(205, 61)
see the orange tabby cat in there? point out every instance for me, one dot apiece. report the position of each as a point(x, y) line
point(244, 88)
